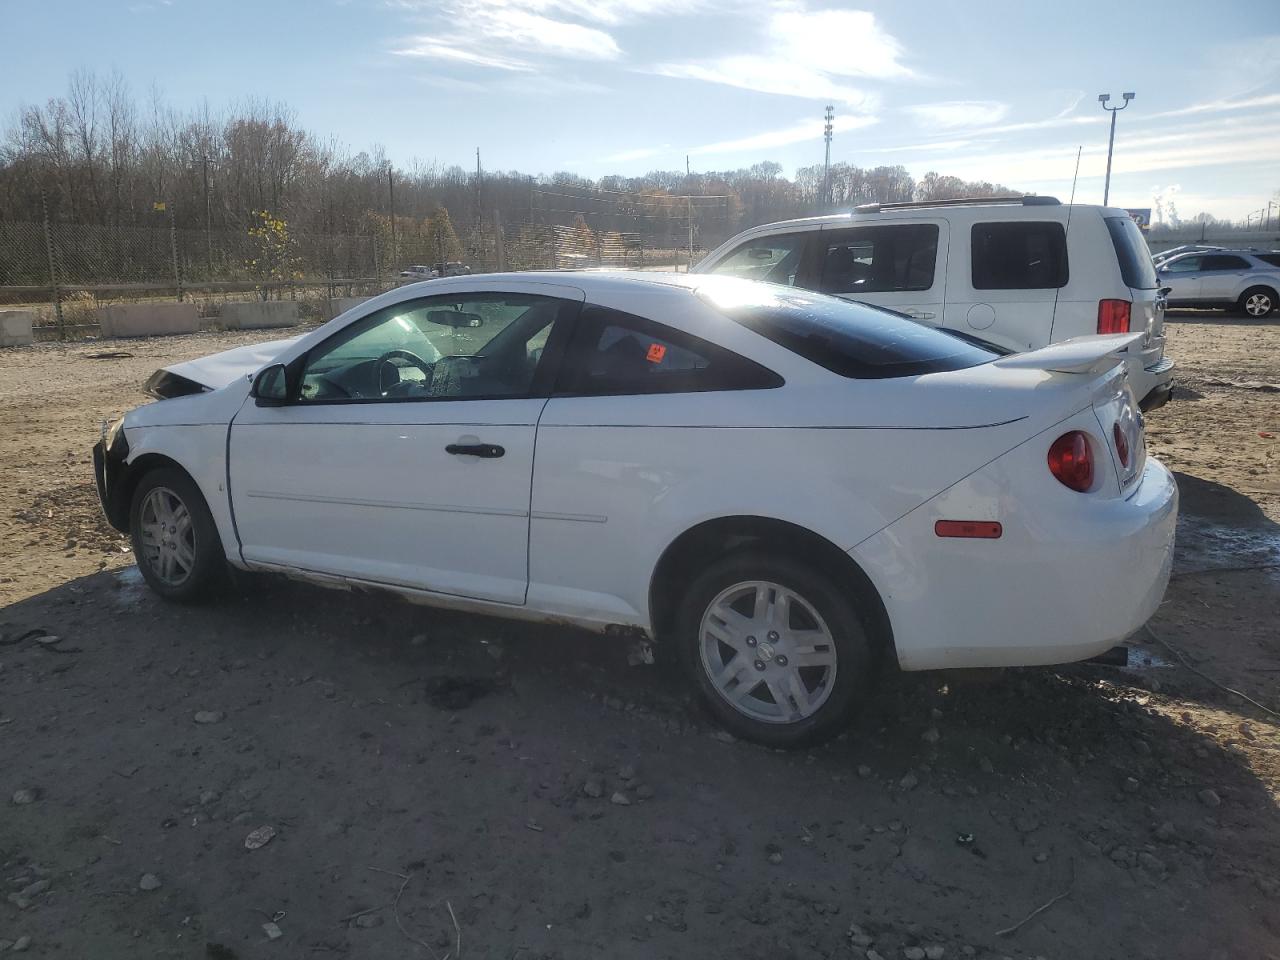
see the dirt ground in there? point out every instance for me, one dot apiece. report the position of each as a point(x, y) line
point(446, 784)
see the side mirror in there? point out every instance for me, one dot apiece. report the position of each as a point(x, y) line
point(271, 386)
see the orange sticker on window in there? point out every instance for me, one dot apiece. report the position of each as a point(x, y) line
point(656, 352)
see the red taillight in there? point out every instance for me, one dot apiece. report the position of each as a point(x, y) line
point(1071, 461)
point(1122, 445)
point(972, 529)
point(1113, 316)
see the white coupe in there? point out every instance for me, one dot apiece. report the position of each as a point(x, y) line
point(784, 487)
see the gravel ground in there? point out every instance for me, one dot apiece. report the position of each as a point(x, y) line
point(295, 772)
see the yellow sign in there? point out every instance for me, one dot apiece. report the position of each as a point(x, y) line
point(158, 206)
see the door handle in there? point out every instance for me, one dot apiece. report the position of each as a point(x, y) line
point(489, 451)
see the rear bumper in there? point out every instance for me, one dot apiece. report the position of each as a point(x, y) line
point(1067, 580)
point(1151, 376)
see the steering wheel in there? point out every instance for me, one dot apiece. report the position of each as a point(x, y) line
point(408, 355)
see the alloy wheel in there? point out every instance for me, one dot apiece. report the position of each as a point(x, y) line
point(767, 652)
point(1257, 304)
point(168, 536)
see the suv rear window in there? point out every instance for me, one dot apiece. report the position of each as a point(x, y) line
point(1136, 268)
point(851, 339)
point(1271, 258)
point(1019, 255)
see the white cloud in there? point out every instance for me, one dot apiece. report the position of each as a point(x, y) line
point(952, 114)
point(768, 75)
point(796, 133)
point(805, 53)
point(640, 153)
point(533, 32)
point(443, 49)
point(504, 34)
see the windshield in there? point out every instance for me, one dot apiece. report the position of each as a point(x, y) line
point(846, 337)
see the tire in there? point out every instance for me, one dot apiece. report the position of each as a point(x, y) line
point(187, 563)
point(753, 661)
point(1258, 302)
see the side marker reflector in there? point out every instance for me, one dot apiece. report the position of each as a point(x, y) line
point(972, 529)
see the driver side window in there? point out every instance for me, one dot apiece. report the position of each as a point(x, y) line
point(447, 347)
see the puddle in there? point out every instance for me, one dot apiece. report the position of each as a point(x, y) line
point(130, 588)
point(1203, 545)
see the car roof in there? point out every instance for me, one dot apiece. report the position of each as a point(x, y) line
point(969, 210)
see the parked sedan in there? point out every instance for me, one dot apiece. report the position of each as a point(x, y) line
point(1243, 280)
point(784, 487)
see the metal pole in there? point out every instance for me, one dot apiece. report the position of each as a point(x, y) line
point(53, 272)
point(173, 248)
point(500, 241)
point(1111, 142)
point(826, 167)
point(689, 202)
point(1103, 98)
point(208, 213)
point(391, 199)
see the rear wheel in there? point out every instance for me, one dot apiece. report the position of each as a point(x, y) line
point(1259, 302)
point(174, 537)
point(776, 648)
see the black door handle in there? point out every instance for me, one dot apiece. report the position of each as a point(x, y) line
point(490, 451)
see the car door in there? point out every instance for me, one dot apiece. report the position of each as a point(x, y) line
point(1221, 276)
point(1004, 279)
point(1183, 278)
point(404, 452)
point(902, 266)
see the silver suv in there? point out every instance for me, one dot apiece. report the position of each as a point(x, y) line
point(1244, 280)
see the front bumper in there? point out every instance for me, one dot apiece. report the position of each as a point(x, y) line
point(1071, 576)
point(108, 469)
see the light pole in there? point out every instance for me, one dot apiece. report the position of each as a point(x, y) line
point(1102, 99)
point(826, 166)
point(1270, 204)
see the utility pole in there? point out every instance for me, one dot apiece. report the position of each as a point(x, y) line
point(391, 200)
point(1270, 204)
point(208, 213)
point(826, 167)
point(1102, 99)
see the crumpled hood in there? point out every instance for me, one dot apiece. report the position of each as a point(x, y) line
point(216, 370)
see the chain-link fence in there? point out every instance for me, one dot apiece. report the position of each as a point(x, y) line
point(66, 271)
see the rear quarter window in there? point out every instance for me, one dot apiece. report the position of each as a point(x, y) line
point(1271, 258)
point(1132, 252)
point(850, 339)
point(1019, 255)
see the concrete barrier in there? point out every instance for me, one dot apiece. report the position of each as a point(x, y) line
point(15, 327)
point(258, 314)
point(339, 305)
point(148, 319)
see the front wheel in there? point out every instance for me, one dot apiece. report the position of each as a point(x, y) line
point(1258, 302)
point(776, 648)
point(174, 537)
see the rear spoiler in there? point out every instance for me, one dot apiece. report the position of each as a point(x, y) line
point(1091, 354)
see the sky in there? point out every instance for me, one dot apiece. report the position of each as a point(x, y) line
point(1002, 91)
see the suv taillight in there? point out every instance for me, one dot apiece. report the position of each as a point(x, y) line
point(1071, 461)
point(1113, 316)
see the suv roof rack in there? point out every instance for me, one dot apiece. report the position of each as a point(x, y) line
point(958, 202)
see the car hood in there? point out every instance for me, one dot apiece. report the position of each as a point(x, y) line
point(214, 371)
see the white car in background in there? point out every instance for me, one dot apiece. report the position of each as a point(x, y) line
point(1243, 280)
point(784, 487)
point(1019, 272)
